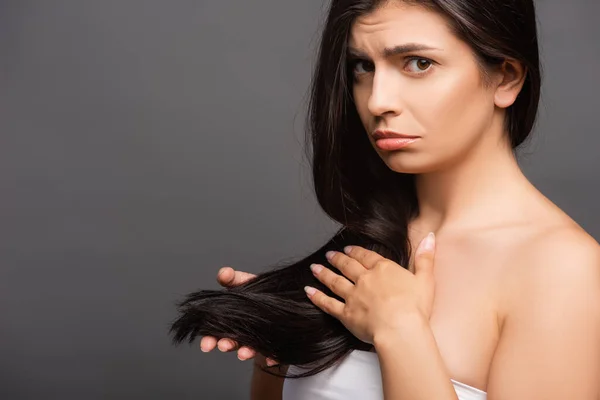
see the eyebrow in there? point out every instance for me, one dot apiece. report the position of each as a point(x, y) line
point(393, 51)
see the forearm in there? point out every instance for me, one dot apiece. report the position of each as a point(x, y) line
point(412, 367)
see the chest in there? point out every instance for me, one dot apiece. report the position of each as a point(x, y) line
point(464, 317)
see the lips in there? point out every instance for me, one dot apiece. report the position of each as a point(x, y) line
point(387, 134)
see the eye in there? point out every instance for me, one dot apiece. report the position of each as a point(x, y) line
point(360, 67)
point(419, 65)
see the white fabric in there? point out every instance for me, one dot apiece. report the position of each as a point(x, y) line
point(358, 376)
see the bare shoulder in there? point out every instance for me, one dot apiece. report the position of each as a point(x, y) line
point(565, 255)
point(550, 331)
point(565, 247)
point(556, 234)
point(554, 257)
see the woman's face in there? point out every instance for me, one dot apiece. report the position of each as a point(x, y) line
point(437, 94)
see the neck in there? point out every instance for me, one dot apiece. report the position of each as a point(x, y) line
point(482, 189)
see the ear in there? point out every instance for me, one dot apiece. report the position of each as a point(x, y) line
point(512, 77)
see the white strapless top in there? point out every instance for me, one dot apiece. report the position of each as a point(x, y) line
point(358, 377)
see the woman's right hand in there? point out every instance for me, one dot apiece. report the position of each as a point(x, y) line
point(228, 277)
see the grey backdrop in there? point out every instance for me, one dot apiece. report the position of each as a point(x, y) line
point(147, 143)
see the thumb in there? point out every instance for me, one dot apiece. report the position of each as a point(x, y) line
point(226, 278)
point(424, 255)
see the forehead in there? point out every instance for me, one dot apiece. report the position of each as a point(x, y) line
point(395, 22)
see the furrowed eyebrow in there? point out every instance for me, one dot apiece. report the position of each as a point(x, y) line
point(393, 51)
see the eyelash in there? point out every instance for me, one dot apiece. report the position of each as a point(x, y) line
point(355, 61)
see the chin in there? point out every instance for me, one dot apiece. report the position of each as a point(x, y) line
point(408, 163)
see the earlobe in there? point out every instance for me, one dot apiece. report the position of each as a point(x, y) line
point(513, 75)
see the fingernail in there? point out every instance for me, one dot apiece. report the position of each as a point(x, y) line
point(347, 249)
point(224, 347)
point(241, 358)
point(310, 290)
point(329, 255)
point(316, 268)
point(270, 362)
point(429, 242)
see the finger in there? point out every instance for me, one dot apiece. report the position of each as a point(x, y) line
point(271, 362)
point(337, 283)
point(245, 353)
point(227, 345)
point(227, 276)
point(348, 266)
point(367, 258)
point(331, 306)
point(424, 256)
point(208, 343)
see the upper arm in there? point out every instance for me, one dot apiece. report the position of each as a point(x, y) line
point(549, 346)
point(265, 386)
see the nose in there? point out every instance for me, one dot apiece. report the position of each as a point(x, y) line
point(385, 95)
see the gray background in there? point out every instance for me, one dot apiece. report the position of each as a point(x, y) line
point(147, 143)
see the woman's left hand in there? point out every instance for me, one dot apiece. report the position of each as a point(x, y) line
point(380, 297)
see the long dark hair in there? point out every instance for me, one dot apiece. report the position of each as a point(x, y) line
point(374, 205)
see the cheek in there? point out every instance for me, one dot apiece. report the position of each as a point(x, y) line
point(453, 115)
point(450, 111)
point(444, 108)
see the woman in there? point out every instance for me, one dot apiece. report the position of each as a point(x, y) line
point(416, 110)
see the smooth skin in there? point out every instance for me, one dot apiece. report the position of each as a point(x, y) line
point(517, 304)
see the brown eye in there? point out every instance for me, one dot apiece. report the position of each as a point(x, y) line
point(423, 64)
point(419, 65)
